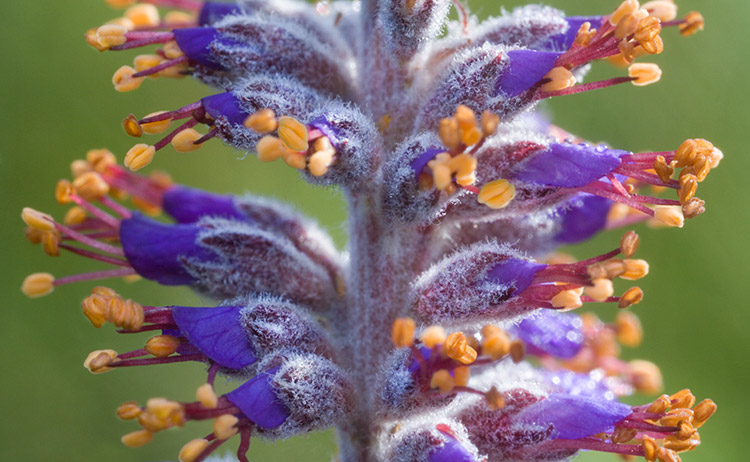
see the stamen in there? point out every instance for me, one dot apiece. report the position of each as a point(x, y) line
point(263, 121)
point(456, 347)
point(187, 141)
point(125, 80)
point(137, 438)
point(496, 342)
point(670, 215)
point(111, 35)
point(98, 361)
point(293, 134)
point(38, 285)
point(191, 450)
point(433, 336)
point(496, 194)
point(644, 74)
point(443, 381)
point(207, 396)
point(139, 156)
point(225, 426)
point(692, 23)
point(402, 333)
point(632, 296)
point(129, 410)
point(495, 400)
point(143, 15)
point(560, 78)
point(162, 346)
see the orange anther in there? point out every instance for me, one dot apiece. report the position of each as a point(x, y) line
point(456, 347)
point(402, 332)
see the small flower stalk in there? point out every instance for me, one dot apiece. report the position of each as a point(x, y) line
point(449, 329)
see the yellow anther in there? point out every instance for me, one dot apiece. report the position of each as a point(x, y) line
point(224, 426)
point(51, 243)
point(294, 159)
point(517, 351)
point(176, 71)
point(111, 35)
point(495, 342)
point(648, 29)
point(74, 216)
point(145, 62)
point(601, 290)
point(629, 243)
point(130, 315)
point(489, 123)
point(692, 24)
point(192, 450)
point(653, 47)
point(124, 81)
point(716, 156)
point(644, 74)
point(154, 128)
point(139, 156)
point(172, 50)
point(124, 22)
point(461, 376)
point(464, 166)
point(143, 15)
point(33, 235)
point(37, 219)
point(670, 215)
point(270, 148)
point(402, 332)
point(100, 159)
point(585, 34)
point(433, 336)
point(263, 121)
point(456, 347)
point(132, 127)
point(91, 186)
point(38, 285)
point(628, 329)
point(626, 8)
point(688, 188)
point(660, 405)
point(635, 269)
point(676, 444)
point(663, 170)
point(449, 133)
point(560, 79)
point(185, 141)
point(129, 410)
point(162, 346)
point(465, 117)
point(471, 136)
point(495, 400)
point(684, 399)
point(165, 409)
point(293, 133)
point(443, 381)
point(441, 171)
point(322, 158)
point(649, 448)
point(629, 24)
point(622, 435)
point(645, 376)
point(78, 167)
point(207, 396)
point(95, 308)
point(104, 291)
point(137, 438)
point(121, 3)
point(178, 17)
point(632, 296)
point(93, 40)
point(675, 416)
point(567, 300)
point(98, 361)
point(703, 411)
point(497, 194)
point(664, 10)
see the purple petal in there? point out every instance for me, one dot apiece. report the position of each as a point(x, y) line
point(552, 333)
point(217, 333)
point(258, 402)
point(215, 11)
point(575, 416)
point(420, 162)
point(327, 125)
point(562, 42)
point(526, 68)
point(516, 272)
point(452, 451)
point(196, 42)
point(155, 250)
point(572, 383)
point(584, 216)
point(225, 105)
point(188, 205)
point(569, 165)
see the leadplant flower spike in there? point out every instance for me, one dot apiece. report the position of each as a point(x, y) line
point(449, 329)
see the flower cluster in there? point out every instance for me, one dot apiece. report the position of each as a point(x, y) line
point(444, 332)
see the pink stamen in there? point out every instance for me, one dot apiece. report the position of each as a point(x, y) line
point(191, 5)
point(84, 239)
point(189, 124)
point(137, 39)
point(181, 113)
point(153, 361)
point(584, 87)
point(119, 209)
point(161, 67)
point(94, 276)
point(593, 444)
point(95, 256)
point(96, 211)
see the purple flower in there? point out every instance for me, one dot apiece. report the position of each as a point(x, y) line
point(414, 340)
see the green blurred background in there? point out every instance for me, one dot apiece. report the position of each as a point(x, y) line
point(57, 102)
